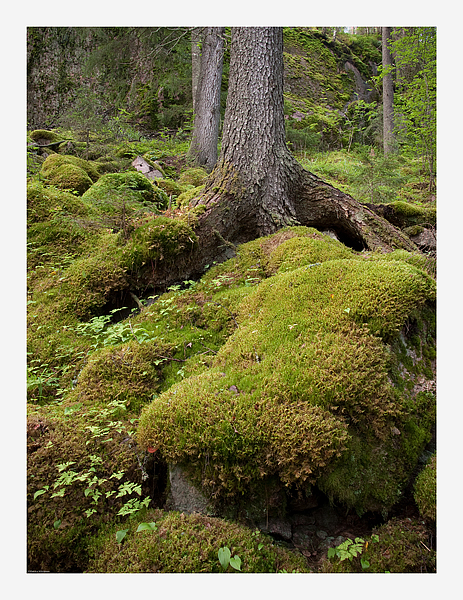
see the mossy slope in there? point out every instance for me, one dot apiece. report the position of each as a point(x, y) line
point(311, 349)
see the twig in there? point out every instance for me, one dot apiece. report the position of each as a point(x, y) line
point(425, 546)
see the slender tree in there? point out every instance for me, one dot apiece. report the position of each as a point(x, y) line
point(388, 92)
point(203, 148)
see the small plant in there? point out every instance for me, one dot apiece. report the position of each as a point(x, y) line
point(351, 549)
point(225, 559)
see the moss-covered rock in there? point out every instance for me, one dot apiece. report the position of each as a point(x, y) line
point(179, 543)
point(158, 239)
point(69, 172)
point(425, 491)
point(44, 202)
point(312, 347)
point(44, 136)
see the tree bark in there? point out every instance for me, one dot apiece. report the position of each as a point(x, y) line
point(195, 61)
point(388, 93)
point(203, 148)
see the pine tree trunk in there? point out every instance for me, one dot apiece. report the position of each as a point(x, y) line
point(388, 93)
point(203, 147)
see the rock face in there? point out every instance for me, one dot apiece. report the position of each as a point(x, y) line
point(183, 495)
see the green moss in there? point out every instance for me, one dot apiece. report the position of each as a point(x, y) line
point(194, 177)
point(55, 161)
point(413, 214)
point(309, 349)
point(425, 490)
point(44, 134)
point(129, 373)
point(170, 187)
point(44, 202)
point(184, 543)
point(184, 198)
point(91, 442)
point(88, 282)
point(158, 239)
point(70, 177)
point(112, 186)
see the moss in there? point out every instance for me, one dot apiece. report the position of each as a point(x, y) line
point(41, 135)
point(114, 185)
point(158, 239)
point(129, 373)
point(44, 202)
point(71, 450)
point(195, 177)
point(425, 490)
point(88, 282)
point(70, 177)
point(184, 543)
point(310, 345)
point(55, 161)
point(185, 197)
point(171, 188)
point(412, 214)
point(398, 546)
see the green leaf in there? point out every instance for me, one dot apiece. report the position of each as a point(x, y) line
point(365, 564)
point(147, 526)
point(120, 535)
point(235, 562)
point(39, 493)
point(57, 523)
point(224, 557)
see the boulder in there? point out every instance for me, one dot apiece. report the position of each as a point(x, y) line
point(147, 169)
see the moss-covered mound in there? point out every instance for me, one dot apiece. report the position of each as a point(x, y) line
point(425, 492)
point(69, 172)
point(312, 349)
point(175, 542)
point(399, 546)
point(194, 177)
point(129, 187)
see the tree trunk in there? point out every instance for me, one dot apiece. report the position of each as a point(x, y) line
point(203, 148)
point(195, 61)
point(388, 93)
point(257, 186)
